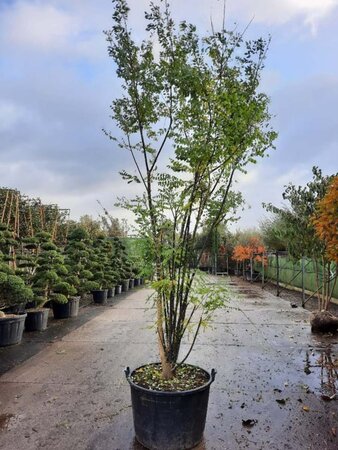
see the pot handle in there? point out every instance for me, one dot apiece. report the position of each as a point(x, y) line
point(127, 372)
point(213, 375)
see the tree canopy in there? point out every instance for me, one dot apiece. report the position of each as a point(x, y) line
point(325, 221)
point(297, 229)
point(191, 115)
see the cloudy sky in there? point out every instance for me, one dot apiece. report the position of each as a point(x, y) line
point(57, 82)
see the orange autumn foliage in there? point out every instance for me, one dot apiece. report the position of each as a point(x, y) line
point(245, 252)
point(325, 221)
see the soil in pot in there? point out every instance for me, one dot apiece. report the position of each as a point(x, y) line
point(187, 377)
point(15, 309)
point(324, 322)
point(66, 310)
point(100, 296)
point(169, 415)
point(37, 319)
point(11, 329)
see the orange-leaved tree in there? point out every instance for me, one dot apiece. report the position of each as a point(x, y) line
point(252, 249)
point(325, 221)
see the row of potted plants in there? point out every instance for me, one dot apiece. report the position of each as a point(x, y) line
point(35, 273)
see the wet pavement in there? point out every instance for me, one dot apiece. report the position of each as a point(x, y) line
point(33, 343)
point(275, 387)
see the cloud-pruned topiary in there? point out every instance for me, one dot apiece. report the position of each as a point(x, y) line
point(50, 272)
point(79, 260)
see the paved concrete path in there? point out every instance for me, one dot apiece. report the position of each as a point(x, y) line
point(73, 394)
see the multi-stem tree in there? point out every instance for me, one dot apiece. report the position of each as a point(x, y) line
point(299, 232)
point(325, 221)
point(200, 98)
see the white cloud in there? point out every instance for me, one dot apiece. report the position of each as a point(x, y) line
point(272, 12)
point(308, 13)
point(75, 27)
point(39, 26)
point(54, 28)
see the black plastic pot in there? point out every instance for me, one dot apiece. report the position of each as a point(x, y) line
point(66, 310)
point(118, 289)
point(131, 283)
point(100, 296)
point(110, 292)
point(11, 329)
point(125, 285)
point(136, 282)
point(169, 420)
point(36, 320)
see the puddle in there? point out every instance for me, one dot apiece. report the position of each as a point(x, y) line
point(321, 370)
point(4, 421)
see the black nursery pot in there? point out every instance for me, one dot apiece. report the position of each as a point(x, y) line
point(100, 296)
point(66, 310)
point(131, 283)
point(111, 292)
point(36, 320)
point(11, 329)
point(125, 285)
point(118, 289)
point(169, 420)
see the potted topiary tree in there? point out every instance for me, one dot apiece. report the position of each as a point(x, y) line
point(78, 260)
point(13, 291)
point(99, 286)
point(37, 314)
point(112, 278)
point(124, 265)
point(109, 266)
point(48, 281)
point(9, 244)
point(201, 97)
point(65, 301)
point(117, 264)
point(136, 271)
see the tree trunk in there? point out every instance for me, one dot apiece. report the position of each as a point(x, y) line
point(167, 369)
